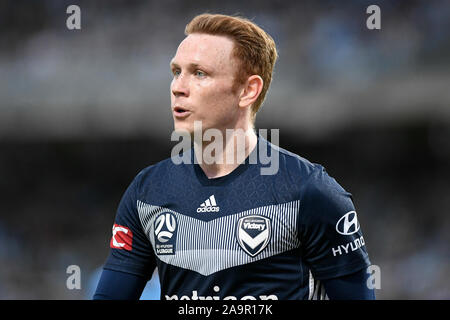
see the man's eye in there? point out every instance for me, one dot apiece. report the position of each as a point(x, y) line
point(199, 73)
point(176, 72)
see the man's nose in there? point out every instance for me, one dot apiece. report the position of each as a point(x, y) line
point(180, 86)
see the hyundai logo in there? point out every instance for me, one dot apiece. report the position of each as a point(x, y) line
point(348, 224)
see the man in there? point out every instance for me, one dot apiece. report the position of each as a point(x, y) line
point(220, 229)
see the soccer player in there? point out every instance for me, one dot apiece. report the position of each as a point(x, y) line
point(223, 229)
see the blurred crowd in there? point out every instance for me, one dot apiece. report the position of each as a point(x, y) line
point(82, 111)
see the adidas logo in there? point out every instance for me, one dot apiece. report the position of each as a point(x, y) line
point(209, 205)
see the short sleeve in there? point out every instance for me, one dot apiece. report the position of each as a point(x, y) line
point(131, 251)
point(330, 234)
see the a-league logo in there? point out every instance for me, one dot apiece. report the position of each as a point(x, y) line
point(165, 233)
point(253, 234)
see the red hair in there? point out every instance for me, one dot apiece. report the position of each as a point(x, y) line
point(254, 48)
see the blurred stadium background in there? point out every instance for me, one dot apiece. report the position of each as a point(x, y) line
point(81, 112)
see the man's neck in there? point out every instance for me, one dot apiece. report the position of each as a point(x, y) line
point(220, 159)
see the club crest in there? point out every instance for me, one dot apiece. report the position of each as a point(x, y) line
point(253, 234)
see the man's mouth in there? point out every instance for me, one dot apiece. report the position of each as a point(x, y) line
point(180, 112)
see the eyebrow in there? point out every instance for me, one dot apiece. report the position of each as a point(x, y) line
point(190, 66)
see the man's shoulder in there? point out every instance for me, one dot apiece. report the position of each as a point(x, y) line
point(313, 177)
point(159, 168)
point(160, 178)
point(296, 166)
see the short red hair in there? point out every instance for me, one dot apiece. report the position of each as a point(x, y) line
point(254, 48)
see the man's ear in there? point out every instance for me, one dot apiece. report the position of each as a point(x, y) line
point(251, 91)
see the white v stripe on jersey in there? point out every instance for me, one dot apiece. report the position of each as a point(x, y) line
point(207, 247)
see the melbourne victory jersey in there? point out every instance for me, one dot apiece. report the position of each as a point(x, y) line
point(246, 235)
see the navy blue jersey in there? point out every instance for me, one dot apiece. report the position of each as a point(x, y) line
point(241, 236)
